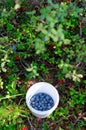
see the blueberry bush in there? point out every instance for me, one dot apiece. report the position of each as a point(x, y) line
point(43, 41)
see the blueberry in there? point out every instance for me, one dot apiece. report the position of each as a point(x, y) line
point(47, 97)
point(48, 104)
point(42, 96)
point(36, 104)
point(37, 99)
point(32, 99)
point(40, 108)
point(33, 106)
point(14, 47)
point(43, 39)
point(59, 17)
point(36, 108)
point(42, 102)
point(41, 99)
point(49, 107)
point(51, 101)
point(33, 103)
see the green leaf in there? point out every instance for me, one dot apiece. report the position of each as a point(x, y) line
point(45, 126)
point(66, 41)
point(21, 46)
point(85, 60)
point(84, 81)
point(31, 12)
point(84, 30)
point(3, 67)
point(9, 27)
point(13, 84)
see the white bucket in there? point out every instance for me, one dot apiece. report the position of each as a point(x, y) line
point(44, 88)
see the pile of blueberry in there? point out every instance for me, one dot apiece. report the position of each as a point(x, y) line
point(41, 101)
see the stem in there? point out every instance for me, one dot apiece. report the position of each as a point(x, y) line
point(7, 97)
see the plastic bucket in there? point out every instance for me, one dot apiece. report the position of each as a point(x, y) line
point(45, 88)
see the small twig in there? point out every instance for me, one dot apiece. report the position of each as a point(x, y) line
point(20, 101)
point(52, 68)
point(59, 120)
point(43, 22)
point(79, 62)
point(80, 25)
point(31, 127)
point(56, 122)
point(78, 119)
point(57, 86)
